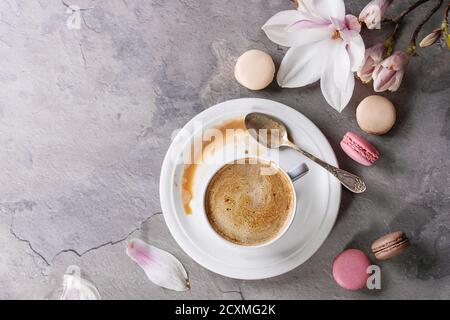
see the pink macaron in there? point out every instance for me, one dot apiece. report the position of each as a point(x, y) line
point(359, 149)
point(350, 269)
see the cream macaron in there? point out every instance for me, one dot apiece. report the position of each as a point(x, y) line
point(254, 69)
point(375, 115)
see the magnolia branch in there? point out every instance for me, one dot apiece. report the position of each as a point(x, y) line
point(390, 41)
point(446, 13)
point(412, 48)
point(398, 19)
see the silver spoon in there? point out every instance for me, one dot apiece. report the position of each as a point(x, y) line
point(272, 133)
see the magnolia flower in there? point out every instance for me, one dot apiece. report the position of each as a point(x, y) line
point(388, 74)
point(324, 44)
point(372, 57)
point(162, 268)
point(431, 38)
point(373, 12)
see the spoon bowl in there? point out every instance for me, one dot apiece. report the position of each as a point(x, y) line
point(268, 131)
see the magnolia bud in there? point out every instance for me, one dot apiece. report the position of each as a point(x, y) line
point(372, 57)
point(431, 38)
point(389, 73)
point(373, 12)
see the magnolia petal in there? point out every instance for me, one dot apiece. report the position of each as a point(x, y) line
point(306, 6)
point(161, 267)
point(383, 78)
point(389, 73)
point(281, 29)
point(308, 24)
point(327, 8)
point(365, 77)
point(377, 52)
point(337, 24)
point(77, 288)
point(385, 84)
point(276, 27)
point(398, 81)
point(337, 81)
point(376, 71)
point(314, 20)
point(355, 48)
point(366, 70)
point(352, 23)
point(302, 65)
point(397, 61)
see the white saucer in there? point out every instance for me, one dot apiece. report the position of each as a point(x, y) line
point(318, 195)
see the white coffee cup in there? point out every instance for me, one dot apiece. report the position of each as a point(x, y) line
point(292, 175)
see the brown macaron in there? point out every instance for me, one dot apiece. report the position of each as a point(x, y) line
point(390, 245)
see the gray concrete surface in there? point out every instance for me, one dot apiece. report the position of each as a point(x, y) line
point(86, 117)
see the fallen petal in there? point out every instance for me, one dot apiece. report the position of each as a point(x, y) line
point(77, 288)
point(161, 267)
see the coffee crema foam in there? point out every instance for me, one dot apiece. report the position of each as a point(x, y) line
point(246, 206)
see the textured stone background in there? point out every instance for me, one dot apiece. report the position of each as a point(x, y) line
point(86, 117)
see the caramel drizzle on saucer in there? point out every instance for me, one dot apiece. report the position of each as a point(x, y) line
point(190, 169)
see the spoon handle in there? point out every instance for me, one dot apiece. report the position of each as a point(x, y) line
point(350, 181)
